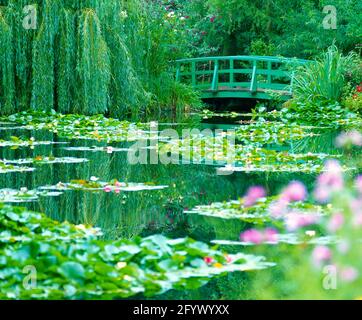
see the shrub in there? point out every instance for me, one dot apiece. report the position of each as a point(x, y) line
point(323, 81)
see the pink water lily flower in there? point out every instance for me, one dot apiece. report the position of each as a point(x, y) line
point(253, 195)
point(107, 189)
point(208, 260)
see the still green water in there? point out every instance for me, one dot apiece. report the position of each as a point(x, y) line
point(144, 213)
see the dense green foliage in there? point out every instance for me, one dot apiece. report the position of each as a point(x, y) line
point(115, 57)
point(281, 27)
point(72, 262)
point(89, 57)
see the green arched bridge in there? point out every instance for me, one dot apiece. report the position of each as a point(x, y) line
point(255, 77)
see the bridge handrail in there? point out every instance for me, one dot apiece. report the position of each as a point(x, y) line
point(244, 58)
point(253, 71)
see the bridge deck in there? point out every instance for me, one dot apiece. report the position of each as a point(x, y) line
point(239, 76)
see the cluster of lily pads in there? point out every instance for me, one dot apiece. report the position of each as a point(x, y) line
point(258, 213)
point(332, 117)
point(24, 195)
point(9, 168)
point(269, 132)
point(218, 150)
point(45, 160)
point(21, 142)
point(44, 259)
point(74, 126)
point(94, 184)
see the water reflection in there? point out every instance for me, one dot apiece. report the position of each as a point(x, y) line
point(133, 213)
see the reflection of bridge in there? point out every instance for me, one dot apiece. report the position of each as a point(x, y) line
point(254, 77)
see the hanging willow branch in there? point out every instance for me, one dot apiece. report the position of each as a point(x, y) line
point(93, 66)
point(43, 58)
point(66, 80)
point(7, 85)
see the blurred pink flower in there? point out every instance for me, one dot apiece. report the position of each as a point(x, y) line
point(212, 19)
point(356, 206)
point(336, 222)
point(107, 189)
point(271, 235)
point(296, 220)
point(349, 138)
point(278, 208)
point(357, 220)
point(343, 246)
point(294, 192)
point(321, 254)
point(333, 177)
point(252, 236)
point(330, 181)
point(349, 274)
point(358, 184)
point(322, 194)
point(253, 195)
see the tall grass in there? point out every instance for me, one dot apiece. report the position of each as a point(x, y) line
point(323, 81)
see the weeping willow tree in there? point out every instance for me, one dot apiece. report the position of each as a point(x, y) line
point(85, 56)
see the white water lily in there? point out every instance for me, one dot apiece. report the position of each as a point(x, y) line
point(94, 179)
point(124, 14)
point(121, 265)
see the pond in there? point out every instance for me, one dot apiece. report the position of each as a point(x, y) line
point(90, 181)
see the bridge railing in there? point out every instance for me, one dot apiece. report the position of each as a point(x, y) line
point(248, 73)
